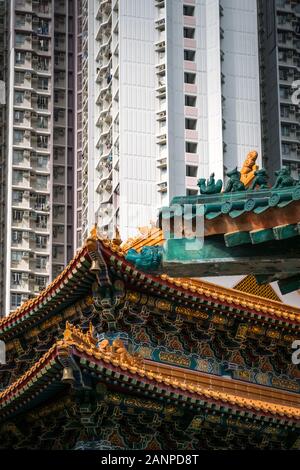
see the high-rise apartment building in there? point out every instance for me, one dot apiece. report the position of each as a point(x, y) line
point(168, 92)
point(279, 34)
point(36, 229)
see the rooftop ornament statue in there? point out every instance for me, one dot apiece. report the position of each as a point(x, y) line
point(249, 167)
point(234, 184)
point(148, 259)
point(260, 179)
point(210, 186)
point(284, 178)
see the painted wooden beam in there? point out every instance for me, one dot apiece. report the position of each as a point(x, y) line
point(261, 235)
point(236, 238)
point(187, 258)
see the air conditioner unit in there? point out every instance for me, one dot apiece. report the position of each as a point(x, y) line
point(27, 94)
point(25, 255)
point(25, 235)
point(31, 277)
point(27, 74)
point(28, 55)
point(27, 114)
point(28, 17)
point(26, 153)
point(25, 276)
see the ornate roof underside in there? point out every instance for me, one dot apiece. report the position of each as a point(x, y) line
point(76, 280)
point(44, 379)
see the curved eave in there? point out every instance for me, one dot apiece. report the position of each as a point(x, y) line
point(71, 284)
point(44, 379)
point(192, 291)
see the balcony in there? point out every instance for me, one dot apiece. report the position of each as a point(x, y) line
point(162, 187)
point(161, 139)
point(162, 163)
point(160, 3)
point(160, 69)
point(160, 46)
point(104, 9)
point(104, 29)
point(161, 115)
point(160, 24)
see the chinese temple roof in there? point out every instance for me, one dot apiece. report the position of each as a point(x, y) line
point(76, 280)
point(44, 379)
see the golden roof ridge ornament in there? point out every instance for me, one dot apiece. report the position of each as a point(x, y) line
point(249, 167)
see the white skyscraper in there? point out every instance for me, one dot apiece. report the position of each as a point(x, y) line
point(171, 95)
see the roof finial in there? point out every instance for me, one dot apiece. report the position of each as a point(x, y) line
point(94, 232)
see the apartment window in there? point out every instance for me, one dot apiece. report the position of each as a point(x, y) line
point(16, 237)
point(284, 93)
point(191, 147)
point(41, 262)
point(17, 216)
point(43, 83)
point(19, 97)
point(42, 141)
point(17, 176)
point(16, 300)
point(191, 124)
point(41, 281)
point(19, 117)
point(42, 122)
point(190, 100)
point(189, 77)
point(57, 251)
point(41, 182)
point(20, 20)
point(16, 256)
point(43, 27)
point(42, 161)
point(286, 131)
point(189, 55)
point(20, 58)
point(188, 10)
point(286, 149)
point(17, 196)
point(20, 39)
point(18, 136)
point(189, 33)
point(16, 279)
point(191, 192)
point(44, 45)
point(41, 241)
point(41, 221)
point(284, 111)
point(18, 156)
point(19, 78)
point(191, 171)
point(42, 102)
point(41, 201)
point(43, 64)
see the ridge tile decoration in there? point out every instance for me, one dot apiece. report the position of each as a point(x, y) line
point(112, 356)
point(249, 228)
